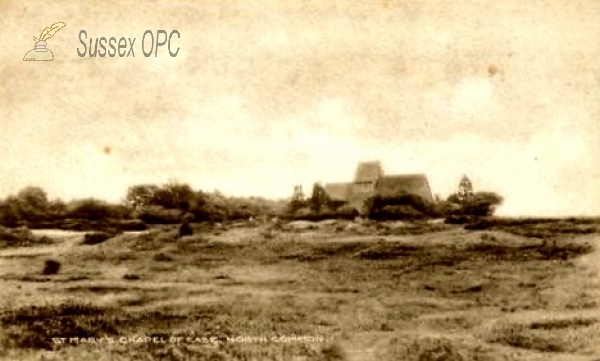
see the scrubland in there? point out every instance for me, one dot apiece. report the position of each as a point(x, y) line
point(332, 290)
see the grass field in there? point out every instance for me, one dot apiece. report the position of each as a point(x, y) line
point(304, 291)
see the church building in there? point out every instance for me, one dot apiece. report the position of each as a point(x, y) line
point(370, 179)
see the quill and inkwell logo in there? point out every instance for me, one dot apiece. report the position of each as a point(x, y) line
point(40, 52)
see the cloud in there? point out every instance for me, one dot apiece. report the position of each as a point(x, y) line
point(262, 97)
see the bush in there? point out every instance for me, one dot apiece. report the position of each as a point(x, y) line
point(344, 212)
point(347, 211)
point(29, 205)
point(164, 204)
point(482, 204)
point(456, 219)
point(51, 267)
point(397, 212)
point(185, 230)
point(93, 209)
point(10, 215)
point(15, 237)
point(159, 215)
point(403, 206)
point(447, 209)
point(97, 237)
point(303, 214)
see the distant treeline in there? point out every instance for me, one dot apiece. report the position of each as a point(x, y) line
point(169, 203)
point(143, 204)
point(397, 207)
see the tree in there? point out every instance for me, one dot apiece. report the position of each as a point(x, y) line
point(453, 198)
point(482, 204)
point(89, 209)
point(479, 204)
point(447, 208)
point(319, 198)
point(399, 206)
point(34, 197)
point(141, 195)
point(30, 204)
point(174, 195)
point(298, 199)
point(10, 214)
point(56, 209)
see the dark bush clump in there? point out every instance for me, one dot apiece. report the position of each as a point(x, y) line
point(97, 237)
point(185, 229)
point(402, 206)
point(15, 237)
point(131, 276)
point(454, 219)
point(51, 267)
point(159, 215)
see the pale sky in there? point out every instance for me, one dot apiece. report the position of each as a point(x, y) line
point(264, 95)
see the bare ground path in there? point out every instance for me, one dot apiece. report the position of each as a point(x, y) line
point(64, 242)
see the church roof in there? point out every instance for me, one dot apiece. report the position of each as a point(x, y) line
point(368, 172)
point(338, 191)
point(416, 184)
point(391, 185)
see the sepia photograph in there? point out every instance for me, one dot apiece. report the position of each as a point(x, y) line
point(302, 180)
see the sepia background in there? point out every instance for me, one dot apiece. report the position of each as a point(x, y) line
point(264, 95)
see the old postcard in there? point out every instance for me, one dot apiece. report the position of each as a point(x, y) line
point(300, 180)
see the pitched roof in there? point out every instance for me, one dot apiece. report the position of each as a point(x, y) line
point(465, 181)
point(368, 172)
point(416, 184)
point(338, 191)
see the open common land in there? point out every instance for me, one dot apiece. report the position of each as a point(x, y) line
point(332, 290)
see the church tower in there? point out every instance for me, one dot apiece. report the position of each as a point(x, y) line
point(465, 189)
